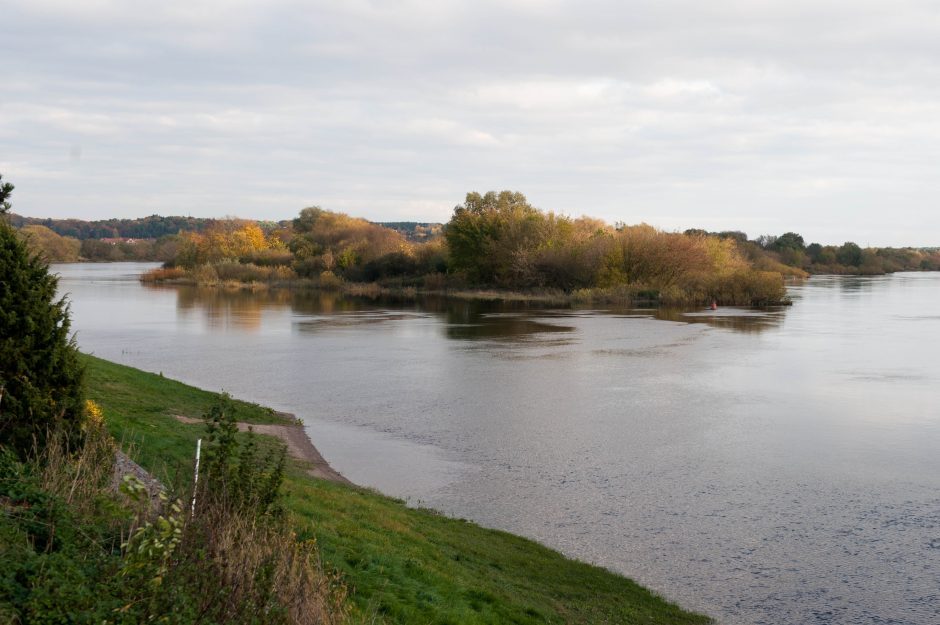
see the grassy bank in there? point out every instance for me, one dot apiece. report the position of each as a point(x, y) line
point(401, 565)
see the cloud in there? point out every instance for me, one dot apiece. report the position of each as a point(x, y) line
point(450, 131)
point(764, 115)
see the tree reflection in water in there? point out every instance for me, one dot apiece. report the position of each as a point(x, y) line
point(465, 320)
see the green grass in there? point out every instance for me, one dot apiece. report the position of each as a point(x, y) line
point(401, 565)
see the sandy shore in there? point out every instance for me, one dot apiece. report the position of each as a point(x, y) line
point(299, 446)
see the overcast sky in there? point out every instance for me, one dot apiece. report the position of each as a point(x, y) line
point(819, 116)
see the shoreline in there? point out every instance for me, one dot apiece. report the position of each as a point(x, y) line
point(637, 297)
point(387, 553)
point(299, 444)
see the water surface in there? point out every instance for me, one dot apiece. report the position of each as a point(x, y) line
point(761, 466)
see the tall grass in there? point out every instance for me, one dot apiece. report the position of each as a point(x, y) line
point(743, 287)
point(239, 567)
point(72, 550)
point(223, 273)
point(166, 274)
point(79, 478)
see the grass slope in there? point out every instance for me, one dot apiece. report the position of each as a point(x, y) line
point(401, 565)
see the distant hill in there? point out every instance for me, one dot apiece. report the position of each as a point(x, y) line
point(152, 227)
point(414, 230)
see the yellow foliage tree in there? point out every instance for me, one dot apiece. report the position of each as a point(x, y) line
point(230, 239)
point(53, 247)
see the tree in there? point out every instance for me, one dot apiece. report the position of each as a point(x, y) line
point(827, 256)
point(849, 254)
point(325, 239)
point(789, 241)
point(790, 246)
point(224, 239)
point(813, 250)
point(5, 190)
point(40, 376)
point(766, 241)
point(492, 237)
point(307, 220)
point(737, 235)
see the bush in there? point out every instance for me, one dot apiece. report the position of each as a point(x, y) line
point(391, 265)
point(435, 281)
point(744, 287)
point(60, 532)
point(205, 275)
point(330, 281)
point(309, 267)
point(164, 275)
point(270, 258)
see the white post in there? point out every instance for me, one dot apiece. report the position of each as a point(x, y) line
point(192, 512)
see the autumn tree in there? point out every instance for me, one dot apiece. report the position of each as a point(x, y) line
point(500, 239)
point(53, 247)
point(225, 239)
point(329, 241)
point(647, 256)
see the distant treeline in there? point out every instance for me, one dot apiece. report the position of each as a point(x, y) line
point(414, 230)
point(151, 238)
point(849, 258)
point(152, 227)
point(62, 249)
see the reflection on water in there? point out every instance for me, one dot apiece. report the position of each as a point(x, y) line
point(465, 319)
point(737, 319)
point(514, 327)
point(333, 321)
point(848, 284)
point(763, 466)
point(224, 308)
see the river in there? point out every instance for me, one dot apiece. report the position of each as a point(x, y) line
point(772, 467)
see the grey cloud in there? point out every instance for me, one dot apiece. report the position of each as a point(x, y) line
point(764, 116)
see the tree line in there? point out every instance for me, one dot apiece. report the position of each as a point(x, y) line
point(493, 240)
point(499, 240)
point(150, 238)
point(152, 227)
point(790, 250)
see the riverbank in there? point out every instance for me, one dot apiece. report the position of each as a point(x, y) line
point(295, 439)
point(401, 565)
point(759, 290)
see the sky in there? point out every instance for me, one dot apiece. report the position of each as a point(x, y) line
point(820, 117)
